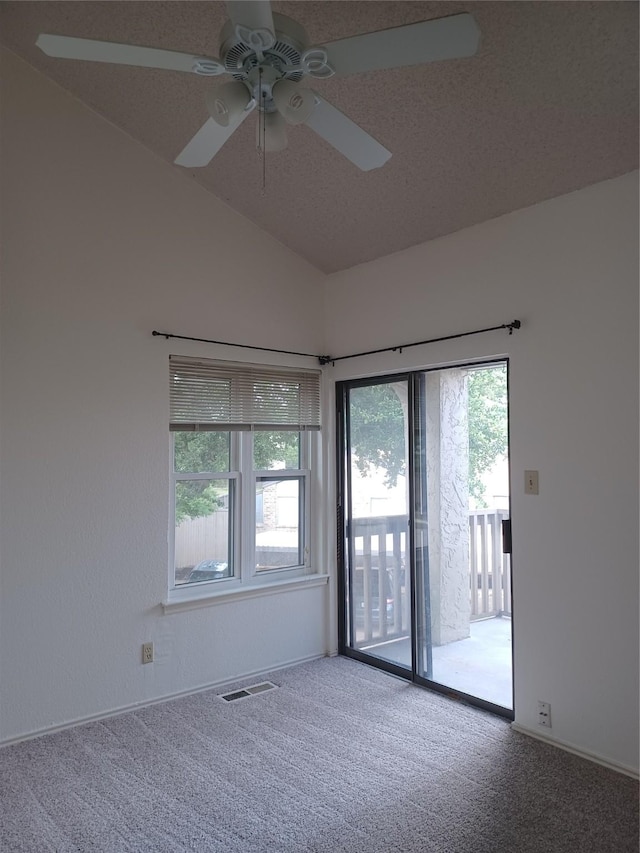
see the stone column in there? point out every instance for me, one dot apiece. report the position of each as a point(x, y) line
point(447, 447)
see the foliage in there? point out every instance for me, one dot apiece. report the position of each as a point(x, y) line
point(196, 498)
point(209, 452)
point(377, 427)
point(201, 452)
point(377, 430)
point(487, 424)
point(271, 448)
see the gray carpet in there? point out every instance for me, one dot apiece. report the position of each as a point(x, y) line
point(340, 758)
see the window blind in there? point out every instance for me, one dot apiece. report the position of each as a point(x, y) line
point(210, 395)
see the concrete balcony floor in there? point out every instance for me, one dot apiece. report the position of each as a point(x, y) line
point(480, 665)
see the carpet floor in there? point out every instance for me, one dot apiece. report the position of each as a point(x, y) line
point(339, 758)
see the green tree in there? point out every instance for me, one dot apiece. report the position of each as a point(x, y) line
point(203, 452)
point(377, 427)
point(272, 448)
point(199, 452)
point(487, 424)
point(196, 498)
point(377, 430)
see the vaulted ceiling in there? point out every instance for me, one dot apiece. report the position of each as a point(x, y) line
point(549, 104)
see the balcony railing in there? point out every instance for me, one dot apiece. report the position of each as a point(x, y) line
point(489, 568)
point(381, 601)
point(380, 605)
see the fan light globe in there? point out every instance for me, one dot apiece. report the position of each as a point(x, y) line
point(227, 103)
point(294, 102)
point(272, 130)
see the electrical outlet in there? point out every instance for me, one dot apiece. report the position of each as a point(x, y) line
point(544, 714)
point(531, 483)
point(147, 653)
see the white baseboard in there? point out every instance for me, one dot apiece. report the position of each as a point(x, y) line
point(575, 750)
point(136, 706)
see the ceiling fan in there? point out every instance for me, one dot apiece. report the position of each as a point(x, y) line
point(267, 55)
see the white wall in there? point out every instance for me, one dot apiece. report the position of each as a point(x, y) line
point(101, 244)
point(568, 268)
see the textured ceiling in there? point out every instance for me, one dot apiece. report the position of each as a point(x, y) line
point(548, 105)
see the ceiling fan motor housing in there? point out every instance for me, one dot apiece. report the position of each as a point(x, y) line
point(281, 61)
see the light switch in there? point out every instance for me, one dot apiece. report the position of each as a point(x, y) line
point(531, 483)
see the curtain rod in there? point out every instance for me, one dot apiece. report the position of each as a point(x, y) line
point(515, 324)
point(328, 359)
point(168, 335)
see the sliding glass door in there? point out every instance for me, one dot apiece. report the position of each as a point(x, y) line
point(423, 495)
point(378, 585)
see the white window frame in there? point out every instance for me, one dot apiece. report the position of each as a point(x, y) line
point(243, 540)
point(302, 473)
point(234, 540)
point(243, 518)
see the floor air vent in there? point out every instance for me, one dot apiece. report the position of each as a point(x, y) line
point(247, 691)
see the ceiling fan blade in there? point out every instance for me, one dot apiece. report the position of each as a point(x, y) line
point(207, 142)
point(66, 47)
point(346, 136)
point(453, 37)
point(252, 14)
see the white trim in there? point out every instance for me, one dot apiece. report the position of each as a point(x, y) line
point(576, 750)
point(167, 697)
point(205, 598)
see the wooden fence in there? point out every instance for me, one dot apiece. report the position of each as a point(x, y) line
point(207, 536)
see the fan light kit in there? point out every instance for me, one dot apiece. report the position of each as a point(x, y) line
point(267, 55)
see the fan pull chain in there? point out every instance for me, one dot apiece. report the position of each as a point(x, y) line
point(264, 149)
point(262, 134)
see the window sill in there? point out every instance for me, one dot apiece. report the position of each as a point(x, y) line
point(191, 599)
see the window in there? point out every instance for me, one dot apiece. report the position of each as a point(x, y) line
point(280, 504)
point(243, 440)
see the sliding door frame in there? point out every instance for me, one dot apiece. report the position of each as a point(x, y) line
point(343, 510)
point(343, 492)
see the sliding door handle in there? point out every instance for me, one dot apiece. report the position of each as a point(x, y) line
point(506, 535)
